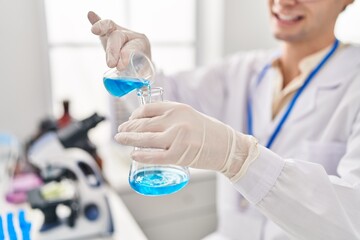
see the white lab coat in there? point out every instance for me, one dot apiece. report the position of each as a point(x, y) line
point(308, 183)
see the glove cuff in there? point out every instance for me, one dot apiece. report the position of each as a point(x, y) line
point(244, 150)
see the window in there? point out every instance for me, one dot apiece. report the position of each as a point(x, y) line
point(77, 60)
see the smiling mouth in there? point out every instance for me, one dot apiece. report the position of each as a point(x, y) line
point(288, 19)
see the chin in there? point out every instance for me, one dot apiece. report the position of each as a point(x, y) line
point(287, 37)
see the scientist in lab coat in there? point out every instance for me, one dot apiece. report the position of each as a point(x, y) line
point(283, 127)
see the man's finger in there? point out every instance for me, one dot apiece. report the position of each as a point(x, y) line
point(114, 44)
point(103, 27)
point(152, 110)
point(157, 140)
point(93, 17)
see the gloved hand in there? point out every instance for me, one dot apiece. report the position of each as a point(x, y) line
point(118, 41)
point(187, 137)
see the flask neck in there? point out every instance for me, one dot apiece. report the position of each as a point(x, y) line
point(150, 95)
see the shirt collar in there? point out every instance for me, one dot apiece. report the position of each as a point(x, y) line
point(308, 63)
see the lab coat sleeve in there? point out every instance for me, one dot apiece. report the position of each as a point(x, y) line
point(302, 199)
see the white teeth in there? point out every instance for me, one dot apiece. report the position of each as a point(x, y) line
point(287, 18)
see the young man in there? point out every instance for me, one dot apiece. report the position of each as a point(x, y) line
point(288, 133)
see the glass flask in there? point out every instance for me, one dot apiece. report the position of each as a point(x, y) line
point(150, 179)
point(137, 74)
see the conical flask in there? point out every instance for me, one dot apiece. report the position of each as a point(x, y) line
point(150, 179)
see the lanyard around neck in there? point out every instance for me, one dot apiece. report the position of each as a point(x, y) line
point(290, 107)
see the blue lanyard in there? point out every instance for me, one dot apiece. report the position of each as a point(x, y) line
point(293, 100)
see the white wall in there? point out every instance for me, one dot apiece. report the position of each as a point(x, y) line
point(24, 74)
point(228, 26)
point(209, 31)
point(246, 25)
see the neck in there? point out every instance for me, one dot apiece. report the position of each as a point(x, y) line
point(293, 53)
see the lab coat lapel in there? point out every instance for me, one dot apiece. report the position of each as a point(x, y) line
point(262, 107)
point(339, 70)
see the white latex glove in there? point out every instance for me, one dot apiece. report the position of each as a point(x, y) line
point(118, 41)
point(188, 138)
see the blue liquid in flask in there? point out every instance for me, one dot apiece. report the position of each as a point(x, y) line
point(119, 87)
point(158, 181)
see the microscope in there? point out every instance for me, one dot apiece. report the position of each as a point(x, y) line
point(73, 200)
